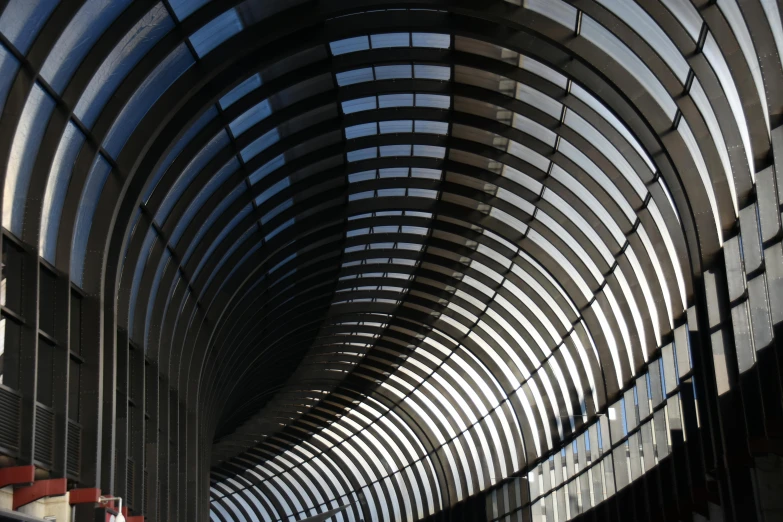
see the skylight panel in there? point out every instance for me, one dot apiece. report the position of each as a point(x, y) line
point(349, 45)
point(438, 41)
point(432, 72)
point(363, 154)
point(391, 193)
point(398, 172)
point(422, 193)
point(184, 8)
point(360, 104)
point(395, 150)
point(391, 72)
point(250, 117)
point(429, 151)
point(249, 85)
point(270, 166)
point(269, 216)
point(395, 100)
point(417, 172)
point(217, 31)
point(432, 127)
point(380, 41)
point(355, 76)
point(391, 127)
point(260, 144)
point(271, 191)
point(361, 176)
point(359, 131)
point(437, 101)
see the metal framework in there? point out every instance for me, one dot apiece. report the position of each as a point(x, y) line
point(442, 260)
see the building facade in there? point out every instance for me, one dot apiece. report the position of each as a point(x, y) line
point(392, 261)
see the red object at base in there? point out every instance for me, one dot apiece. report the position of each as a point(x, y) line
point(17, 475)
point(39, 489)
point(84, 496)
point(134, 519)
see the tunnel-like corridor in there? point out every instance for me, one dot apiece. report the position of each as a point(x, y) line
point(395, 261)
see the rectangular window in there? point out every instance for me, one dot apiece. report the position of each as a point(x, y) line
point(74, 385)
point(46, 355)
point(76, 323)
point(47, 300)
point(11, 277)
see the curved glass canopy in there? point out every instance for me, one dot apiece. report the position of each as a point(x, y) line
point(388, 257)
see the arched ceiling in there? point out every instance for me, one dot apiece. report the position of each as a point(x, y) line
point(385, 253)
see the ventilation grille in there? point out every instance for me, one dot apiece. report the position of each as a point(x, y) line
point(130, 485)
point(144, 492)
point(10, 404)
point(44, 435)
point(74, 449)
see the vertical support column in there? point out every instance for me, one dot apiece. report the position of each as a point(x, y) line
point(109, 385)
point(151, 457)
point(182, 456)
point(121, 437)
point(91, 393)
point(174, 449)
point(60, 324)
point(136, 429)
point(163, 447)
point(28, 352)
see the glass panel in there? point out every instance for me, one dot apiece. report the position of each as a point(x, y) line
point(432, 127)
point(217, 31)
point(8, 67)
point(360, 104)
point(721, 68)
point(429, 151)
point(22, 19)
point(556, 10)
point(440, 41)
point(349, 45)
point(94, 17)
point(165, 74)
point(184, 8)
point(390, 72)
point(355, 76)
point(189, 173)
point(56, 189)
point(250, 117)
point(701, 167)
point(432, 72)
point(391, 127)
point(24, 151)
point(249, 85)
point(211, 220)
point(260, 144)
point(271, 191)
point(97, 177)
point(126, 54)
point(636, 18)
point(270, 166)
point(362, 154)
point(221, 236)
point(359, 131)
point(194, 129)
point(620, 52)
point(154, 294)
point(149, 240)
point(395, 100)
point(380, 41)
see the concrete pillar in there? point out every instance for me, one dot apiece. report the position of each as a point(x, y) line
point(769, 485)
point(56, 507)
point(6, 498)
